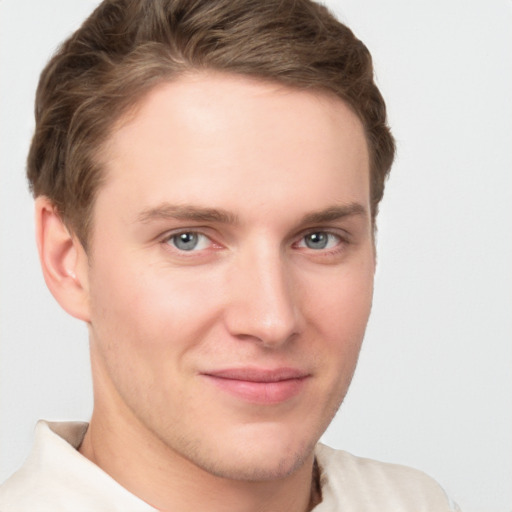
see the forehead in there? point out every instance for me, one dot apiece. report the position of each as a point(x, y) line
point(211, 138)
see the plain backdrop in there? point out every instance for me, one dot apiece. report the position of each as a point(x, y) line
point(434, 384)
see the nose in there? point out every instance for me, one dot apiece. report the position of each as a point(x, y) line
point(263, 302)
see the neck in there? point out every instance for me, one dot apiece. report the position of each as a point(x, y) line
point(167, 481)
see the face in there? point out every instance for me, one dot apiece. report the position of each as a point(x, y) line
point(230, 271)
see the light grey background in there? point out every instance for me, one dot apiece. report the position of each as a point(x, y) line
point(434, 387)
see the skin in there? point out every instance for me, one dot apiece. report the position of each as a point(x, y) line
point(263, 175)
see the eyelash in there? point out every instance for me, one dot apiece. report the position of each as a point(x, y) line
point(342, 241)
point(167, 241)
point(330, 235)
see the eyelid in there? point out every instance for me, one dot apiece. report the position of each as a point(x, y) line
point(343, 235)
point(301, 241)
point(202, 241)
point(212, 244)
point(344, 241)
point(340, 233)
point(199, 230)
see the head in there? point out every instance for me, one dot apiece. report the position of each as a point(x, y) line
point(208, 175)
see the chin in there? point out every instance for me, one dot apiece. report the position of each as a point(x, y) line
point(254, 469)
point(257, 458)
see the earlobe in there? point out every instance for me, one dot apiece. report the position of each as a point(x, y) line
point(63, 260)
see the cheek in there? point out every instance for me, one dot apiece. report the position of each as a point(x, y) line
point(342, 303)
point(141, 328)
point(339, 312)
point(148, 309)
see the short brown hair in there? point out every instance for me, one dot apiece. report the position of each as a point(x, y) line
point(126, 47)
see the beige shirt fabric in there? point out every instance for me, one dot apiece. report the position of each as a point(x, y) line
point(57, 478)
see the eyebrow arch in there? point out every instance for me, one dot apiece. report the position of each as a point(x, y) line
point(168, 211)
point(333, 213)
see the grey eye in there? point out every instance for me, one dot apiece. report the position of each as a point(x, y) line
point(185, 241)
point(317, 240)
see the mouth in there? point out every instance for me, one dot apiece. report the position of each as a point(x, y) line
point(259, 386)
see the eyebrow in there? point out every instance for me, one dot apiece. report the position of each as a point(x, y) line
point(333, 213)
point(186, 212)
point(200, 214)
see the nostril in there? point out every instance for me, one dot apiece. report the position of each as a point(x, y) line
point(271, 327)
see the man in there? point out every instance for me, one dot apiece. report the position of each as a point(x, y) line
point(207, 177)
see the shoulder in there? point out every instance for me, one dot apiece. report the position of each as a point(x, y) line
point(51, 461)
point(57, 478)
point(365, 485)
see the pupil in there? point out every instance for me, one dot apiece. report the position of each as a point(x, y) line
point(186, 241)
point(316, 240)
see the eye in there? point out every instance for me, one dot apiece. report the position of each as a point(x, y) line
point(189, 241)
point(320, 240)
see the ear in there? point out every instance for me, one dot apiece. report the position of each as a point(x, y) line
point(63, 260)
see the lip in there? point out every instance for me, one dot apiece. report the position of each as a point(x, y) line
point(259, 385)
